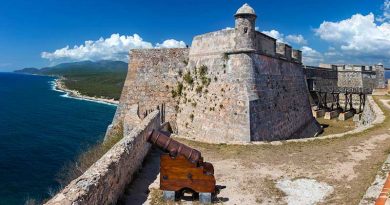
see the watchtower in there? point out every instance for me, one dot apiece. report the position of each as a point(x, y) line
point(245, 24)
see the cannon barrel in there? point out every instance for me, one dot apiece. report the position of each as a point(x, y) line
point(167, 144)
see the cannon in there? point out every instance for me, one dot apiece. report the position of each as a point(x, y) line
point(182, 169)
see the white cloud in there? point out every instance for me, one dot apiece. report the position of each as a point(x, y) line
point(357, 39)
point(280, 37)
point(171, 43)
point(311, 56)
point(297, 39)
point(386, 12)
point(276, 35)
point(116, 47)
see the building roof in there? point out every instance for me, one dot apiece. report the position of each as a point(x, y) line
point(245, 9)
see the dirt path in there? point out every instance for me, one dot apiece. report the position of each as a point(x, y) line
point(327, 171)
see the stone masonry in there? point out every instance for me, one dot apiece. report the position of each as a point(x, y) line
point(231, 85)
point(105, 181)
point(151, 76)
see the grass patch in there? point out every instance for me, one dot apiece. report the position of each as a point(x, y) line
point(335, 126)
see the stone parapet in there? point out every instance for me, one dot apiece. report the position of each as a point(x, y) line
point(369, 115)
point(105, 181)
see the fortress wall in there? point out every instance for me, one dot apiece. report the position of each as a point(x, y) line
point(151, 77)
point(265, 44)
point(282, 100)
point(221, 113)
point(369, 114)
point(104, 182)
point(255, 97)
point(369, 79)
point(350, 79)
point(380, 76)
point(214, 42)
point(321, 77)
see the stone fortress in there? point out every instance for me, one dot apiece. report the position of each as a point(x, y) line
point(235, 85)
point(230, 85)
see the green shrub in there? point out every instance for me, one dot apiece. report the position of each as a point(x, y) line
point(174, 93)
point(203, 70)
point(179, 88)
point(199, 89)
point(188, 78)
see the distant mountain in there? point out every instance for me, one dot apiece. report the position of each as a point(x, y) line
point(82, 67)
point(28, 70)
point(96, 79)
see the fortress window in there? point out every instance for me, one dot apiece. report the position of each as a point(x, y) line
point(245, 29)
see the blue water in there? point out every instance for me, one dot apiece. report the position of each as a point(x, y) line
point(387, 74)
point(39, 132)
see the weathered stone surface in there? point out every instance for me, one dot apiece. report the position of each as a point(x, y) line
point(346, 115)
point(318, 113)
point(106, 179)
point(356, 117)
point(331, 114)
point(368, 115)
point(152, 75)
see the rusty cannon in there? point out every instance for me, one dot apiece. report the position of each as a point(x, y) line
point(182, 169)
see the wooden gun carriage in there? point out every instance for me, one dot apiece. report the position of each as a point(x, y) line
point(182, 169)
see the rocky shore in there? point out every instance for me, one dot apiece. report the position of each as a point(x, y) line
point(60, 86)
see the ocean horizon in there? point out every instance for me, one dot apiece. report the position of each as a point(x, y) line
point(42, 129)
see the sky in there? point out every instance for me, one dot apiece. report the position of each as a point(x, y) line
point(48, 32)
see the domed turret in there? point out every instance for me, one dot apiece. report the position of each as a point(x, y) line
point(245, 26)
point(246, 10)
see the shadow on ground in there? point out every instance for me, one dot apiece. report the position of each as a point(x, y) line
point(137, 192)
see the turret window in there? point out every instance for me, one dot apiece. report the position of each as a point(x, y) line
point(245, 29)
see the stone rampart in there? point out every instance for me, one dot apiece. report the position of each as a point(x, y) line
point(368, 115)
point(213, 43)
point(250, 97)
point(151, 77)
point(105, 181)
point(282, 97)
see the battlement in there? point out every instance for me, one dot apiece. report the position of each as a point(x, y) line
point(346, 75)
point(243, 39)
point(354, 68)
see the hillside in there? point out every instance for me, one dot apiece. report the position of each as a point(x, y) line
point(100, 79)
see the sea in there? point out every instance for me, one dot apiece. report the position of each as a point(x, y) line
point(42, 129)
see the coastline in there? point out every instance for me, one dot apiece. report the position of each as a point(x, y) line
point(58, 85)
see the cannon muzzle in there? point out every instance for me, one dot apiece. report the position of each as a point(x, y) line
point(173, 147)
